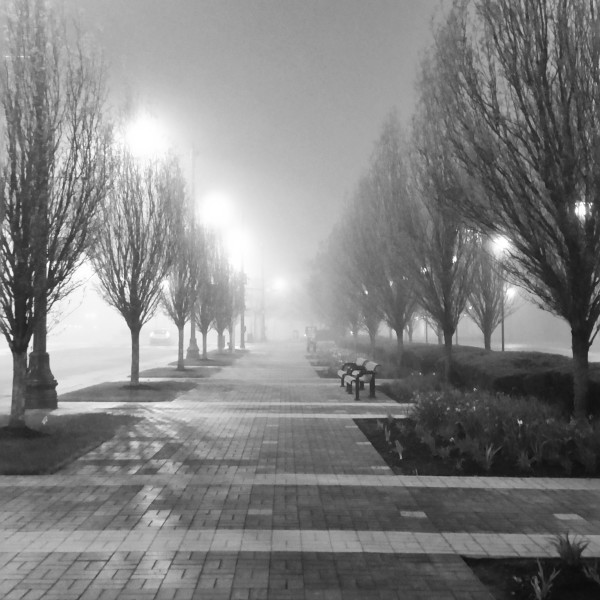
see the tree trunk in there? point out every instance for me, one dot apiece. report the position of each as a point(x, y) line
point(17, 408)
point(410, 330)
point(440, 337)
point(487, 339)
point(231, 338)
point(180, 365)
point(580, 348)
point(192, 351)
point(204, 345)
point(372, 337)
point(399, 347)
point(448, 333)
point(220, 341)
point(135, 355)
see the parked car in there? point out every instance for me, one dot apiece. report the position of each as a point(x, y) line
point(160, 337)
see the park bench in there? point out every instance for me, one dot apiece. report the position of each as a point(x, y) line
point(357, 374)
point(347, 369)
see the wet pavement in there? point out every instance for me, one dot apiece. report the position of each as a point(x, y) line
point(258, 485)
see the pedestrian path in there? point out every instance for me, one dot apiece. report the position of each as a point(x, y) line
point(259, 485)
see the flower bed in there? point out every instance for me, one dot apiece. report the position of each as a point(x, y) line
point(479, 433)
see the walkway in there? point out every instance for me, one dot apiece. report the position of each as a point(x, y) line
point(258, 485)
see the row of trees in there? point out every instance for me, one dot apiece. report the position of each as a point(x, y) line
point(505, 142)
point(398, 254)
point(70, 192)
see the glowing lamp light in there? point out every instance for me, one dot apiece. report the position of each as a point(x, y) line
point(217, 210)
point(280, 285)
point(145, 138)
point(581, 210)
point(238, 245)
point(501, 245)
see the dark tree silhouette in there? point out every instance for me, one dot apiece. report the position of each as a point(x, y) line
point(136, 245)
point(384, 239)
point(53, 172)
point(518, 83)
point(489, 301)
point(443, 247)
point(177, 295)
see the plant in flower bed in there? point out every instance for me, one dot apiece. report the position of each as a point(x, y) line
point(568, 576)
point(480, 433)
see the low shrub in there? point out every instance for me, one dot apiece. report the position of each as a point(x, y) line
point(403, 390)
point(547, 377)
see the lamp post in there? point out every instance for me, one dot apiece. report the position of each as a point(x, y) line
point(193, 352)
point(41, 384)
point(243, 309)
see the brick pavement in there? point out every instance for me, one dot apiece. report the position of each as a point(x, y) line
point(258, 485)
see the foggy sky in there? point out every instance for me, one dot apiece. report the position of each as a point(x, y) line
point(283, 99)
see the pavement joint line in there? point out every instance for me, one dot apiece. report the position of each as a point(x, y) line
point(281, 403)
point(262, 415)
point(159, 481)
point(292, 540)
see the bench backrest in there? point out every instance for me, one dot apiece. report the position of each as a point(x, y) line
point(371, 366)
point(361, 362)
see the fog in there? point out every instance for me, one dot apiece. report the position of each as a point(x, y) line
point(85, 319)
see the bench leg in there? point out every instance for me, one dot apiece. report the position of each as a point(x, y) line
point(342, 380)
point(349, 386)
point(356, 396)
point(372, 387)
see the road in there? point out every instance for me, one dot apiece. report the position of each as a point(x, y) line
point(79, 367)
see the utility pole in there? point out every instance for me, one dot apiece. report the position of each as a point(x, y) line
point(193, 352)
point(242, 315)
point(263, 330)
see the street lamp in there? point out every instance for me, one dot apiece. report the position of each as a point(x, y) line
point(145, 138)
point(500, 245)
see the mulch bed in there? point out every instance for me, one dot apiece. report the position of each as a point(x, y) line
point(119, 391)
point(187, 373)
point(418, 460)
point(510, 578)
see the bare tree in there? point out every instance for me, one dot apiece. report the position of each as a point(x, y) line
point(489, 301)
point(53, 173)
point(443, 247)
point(177, 296)
point(222, 276)
point(386, 240)
point(345, 271)
point(519, 83)
point(136, 245)
point(206, 258)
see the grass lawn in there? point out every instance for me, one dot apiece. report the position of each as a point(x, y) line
point(52, 441)
point(122, 391)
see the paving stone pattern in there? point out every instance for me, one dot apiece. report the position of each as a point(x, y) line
point(258, 485)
